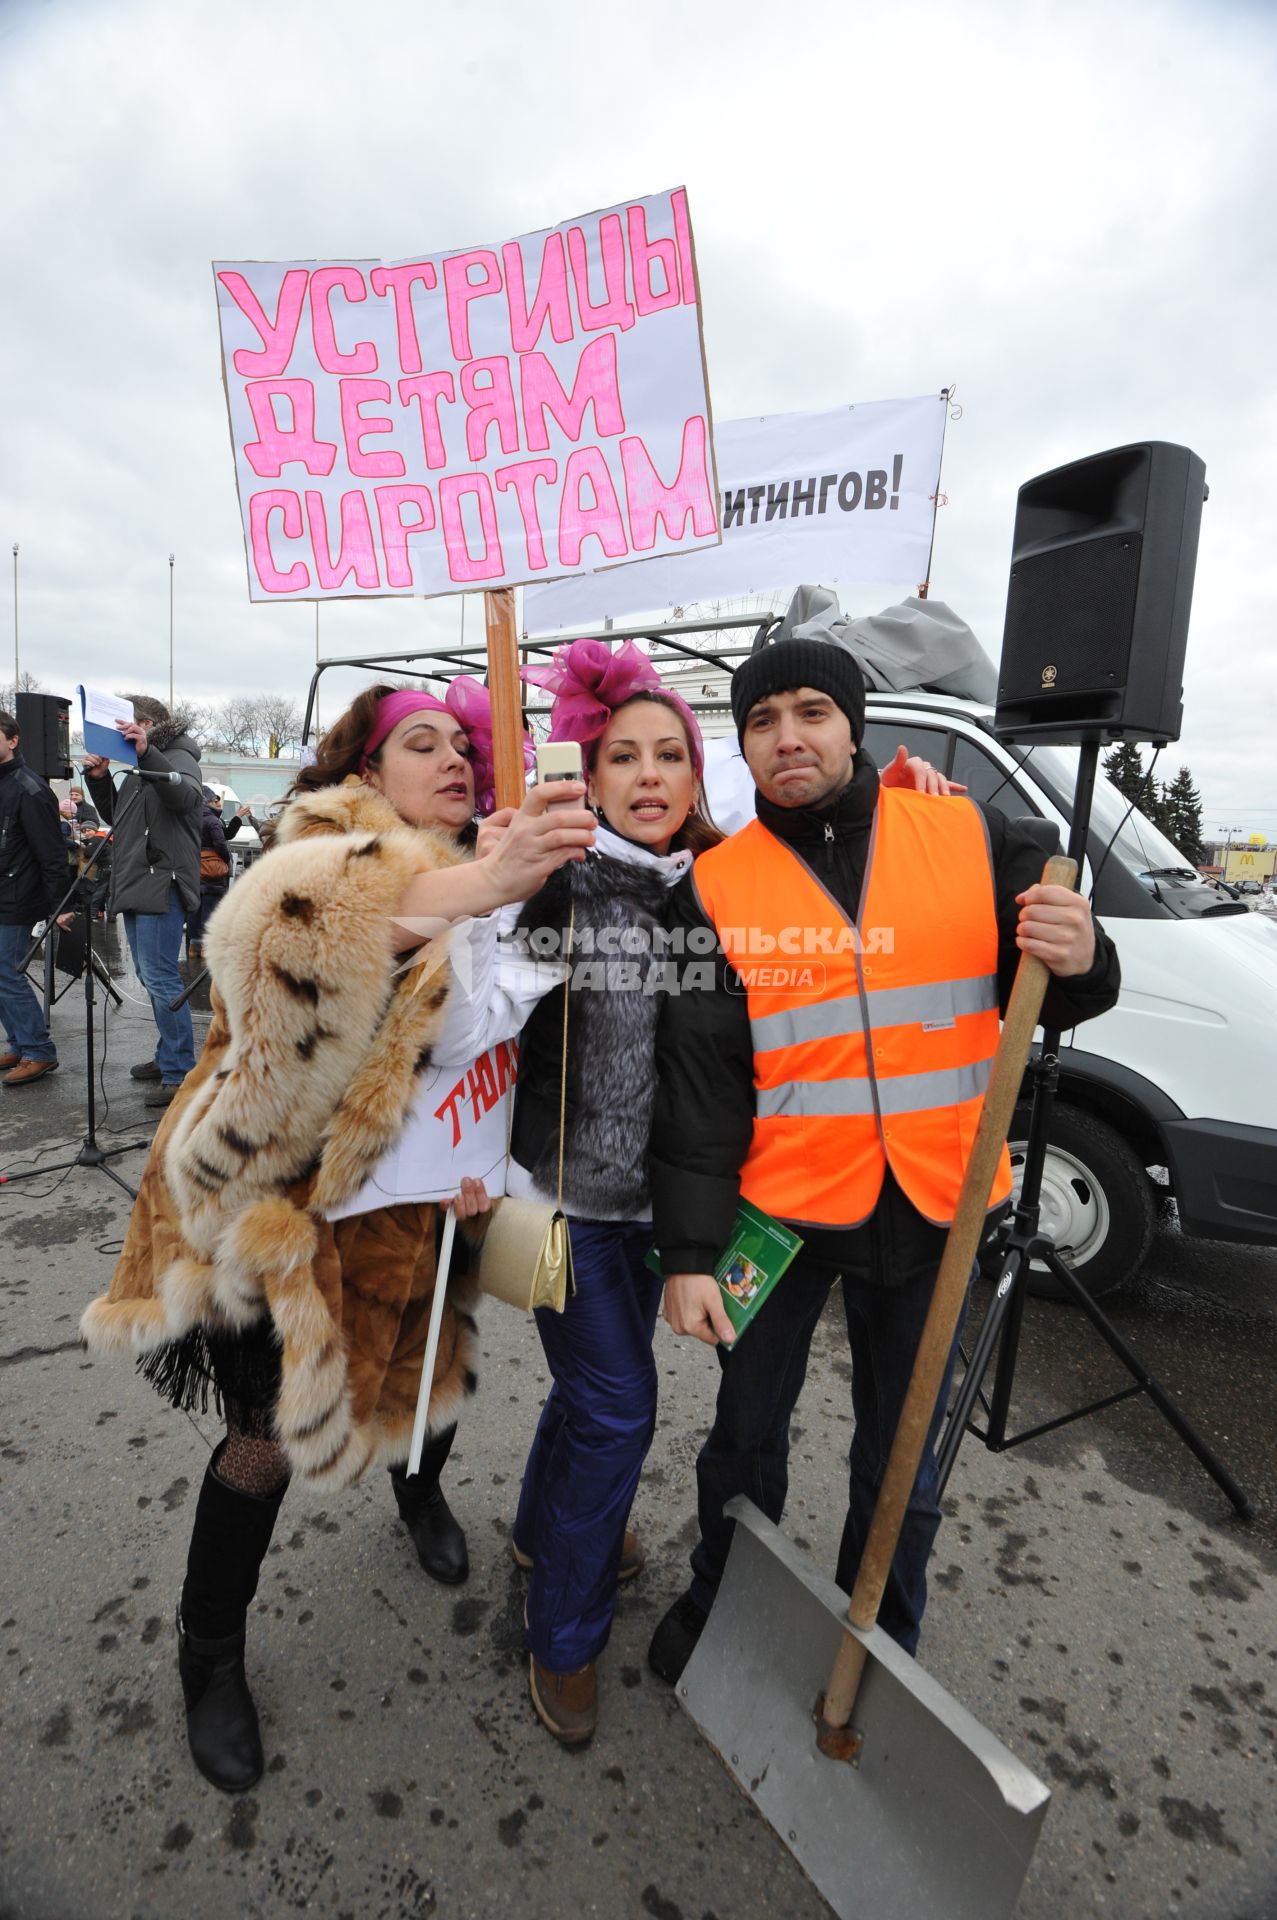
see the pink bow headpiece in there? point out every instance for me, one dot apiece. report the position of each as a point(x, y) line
point(589, 682)
point(469, 703)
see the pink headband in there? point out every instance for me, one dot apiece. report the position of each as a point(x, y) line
point(468, 702)
point(589, 682)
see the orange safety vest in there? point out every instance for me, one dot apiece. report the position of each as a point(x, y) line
point(872, 1042)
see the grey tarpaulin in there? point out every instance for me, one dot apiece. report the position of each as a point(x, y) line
point(918, 643)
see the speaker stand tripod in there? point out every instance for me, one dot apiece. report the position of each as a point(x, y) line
point(90, 1154)
point(1022, 1241)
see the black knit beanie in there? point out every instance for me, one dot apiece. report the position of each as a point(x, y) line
point(786, 665)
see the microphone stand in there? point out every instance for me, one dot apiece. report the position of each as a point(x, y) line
point(1022, 1241)
point(175, 1006)
point(90, 1154)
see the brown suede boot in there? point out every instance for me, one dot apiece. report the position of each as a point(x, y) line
point(566, 1703)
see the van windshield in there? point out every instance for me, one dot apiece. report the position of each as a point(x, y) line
point(1130, 837)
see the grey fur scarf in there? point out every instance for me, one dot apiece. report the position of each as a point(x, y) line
point(611, 1077)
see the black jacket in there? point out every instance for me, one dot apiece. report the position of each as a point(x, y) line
point(213, 839)
point(704, 1114)
point(157, 826)
point(612, 1012)
point(34, 873)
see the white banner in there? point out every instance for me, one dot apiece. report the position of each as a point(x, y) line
point(463, 421)
point(458, 1128)
point(821, 497)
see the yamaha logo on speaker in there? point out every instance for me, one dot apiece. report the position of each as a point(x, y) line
point(1048, 676)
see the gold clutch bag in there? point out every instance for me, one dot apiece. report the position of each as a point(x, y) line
point(526, 1255)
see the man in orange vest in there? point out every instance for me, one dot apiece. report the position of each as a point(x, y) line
point(867, 939)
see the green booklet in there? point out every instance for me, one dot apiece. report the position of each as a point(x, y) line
point(757, 1253)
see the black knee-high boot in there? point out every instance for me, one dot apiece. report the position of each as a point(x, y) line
point(228, 1544)
point(436, 1532)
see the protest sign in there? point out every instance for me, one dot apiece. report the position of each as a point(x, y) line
point(459, 1128)
point(847, 495)
point(465, 421)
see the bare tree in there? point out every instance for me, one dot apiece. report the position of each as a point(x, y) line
point(205, 726)
point(27, 683)
point(282, 719)
point(259, 724)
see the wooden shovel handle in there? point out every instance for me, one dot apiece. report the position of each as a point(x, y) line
point(1005, 1080)
point(506, 691)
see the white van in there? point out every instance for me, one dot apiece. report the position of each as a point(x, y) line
point(1173, 1092)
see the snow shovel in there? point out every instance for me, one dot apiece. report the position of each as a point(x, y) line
point(891, 1796)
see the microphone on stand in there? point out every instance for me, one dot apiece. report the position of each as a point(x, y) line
point(174, 779)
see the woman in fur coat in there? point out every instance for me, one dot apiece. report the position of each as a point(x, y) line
point(281, 1244)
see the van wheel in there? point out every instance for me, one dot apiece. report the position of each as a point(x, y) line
point(1097, 1204)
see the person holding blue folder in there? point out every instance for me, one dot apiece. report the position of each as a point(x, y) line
point(155, 871)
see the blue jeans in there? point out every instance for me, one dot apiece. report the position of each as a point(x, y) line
point(25, 1027)
point(594, 1433)
point(155, 942)
point(748, 1446)
point(197, 922)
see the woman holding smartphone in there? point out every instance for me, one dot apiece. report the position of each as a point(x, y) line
point(643, 762)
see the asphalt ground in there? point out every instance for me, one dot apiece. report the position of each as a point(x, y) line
point(1095, 1603)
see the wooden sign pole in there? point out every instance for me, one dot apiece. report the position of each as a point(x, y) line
point(507, 696)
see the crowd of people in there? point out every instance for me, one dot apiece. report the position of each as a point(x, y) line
point(160, 863)
point(282, 1254)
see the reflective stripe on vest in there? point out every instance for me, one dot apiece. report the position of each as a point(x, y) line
point(874, 1045)
point(896, 1006)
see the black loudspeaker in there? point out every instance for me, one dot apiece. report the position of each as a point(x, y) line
point(1102, 564)
point(44, 723)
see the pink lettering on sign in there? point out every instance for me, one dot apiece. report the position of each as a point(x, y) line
point(599, 519)
point(277, 446)
point(367, 466)
point(466, 420)
point(454, 488)
point(615, 310)
point(391, 502)
point(278, 335)
point(523, 478)
point(460, 289)
point(646, 254)
point(363, 358)
point(487, 391)
point(399, 281)
point(649, 499)
point(595, 385)
point(527, 323)
point(260, 508)
point(683, 239)
point(427, 389)
point(356, 554)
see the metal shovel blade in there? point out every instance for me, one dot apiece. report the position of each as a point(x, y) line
point(937, 1819)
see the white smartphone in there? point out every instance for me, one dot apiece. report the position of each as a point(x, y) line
point(559, 760)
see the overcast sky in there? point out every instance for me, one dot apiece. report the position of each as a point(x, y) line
point(1064, 209)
